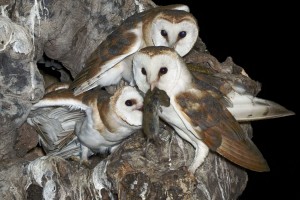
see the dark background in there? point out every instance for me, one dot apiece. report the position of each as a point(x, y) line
point(261, 39)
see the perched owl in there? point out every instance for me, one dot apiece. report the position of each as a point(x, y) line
point(171, 26)
point(198, 111)
point(97, 120)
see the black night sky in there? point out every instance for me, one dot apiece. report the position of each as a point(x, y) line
point(261, 39)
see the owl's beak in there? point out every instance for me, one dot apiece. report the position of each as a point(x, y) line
point(140, 107)
point(153, 85)
point(172, 45)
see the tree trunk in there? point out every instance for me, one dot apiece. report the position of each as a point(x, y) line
point(36, 32)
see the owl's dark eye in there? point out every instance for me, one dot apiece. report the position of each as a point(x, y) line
point(144, 71)
point(163, 70)
point(164, 33)
point(129, 103)
point(182, 34)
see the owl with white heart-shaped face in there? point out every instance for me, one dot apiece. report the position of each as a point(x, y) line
point(172, 26)
point(198, 111)
point(88, 123)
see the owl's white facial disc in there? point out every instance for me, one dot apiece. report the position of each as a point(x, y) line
point(128, 106)
point(163, 73)
point(161, 70)
point(141, 61)
point(179, 34)
point(161, 67)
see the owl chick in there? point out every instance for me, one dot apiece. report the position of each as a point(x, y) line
point(197, 112)
point(106, 120)
point(171, 26)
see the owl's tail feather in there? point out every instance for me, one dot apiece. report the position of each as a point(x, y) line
point(249, 108)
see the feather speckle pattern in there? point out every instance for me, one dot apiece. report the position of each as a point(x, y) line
point(197, 112)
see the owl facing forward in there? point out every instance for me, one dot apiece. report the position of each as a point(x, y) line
point(198, 112)
point(91, 122)
point(172, 26)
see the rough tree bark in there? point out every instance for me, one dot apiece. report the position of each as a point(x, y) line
point(68, 31)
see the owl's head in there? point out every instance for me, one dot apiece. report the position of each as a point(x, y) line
point(128, 104)
point(177, 29)
point(161, 67)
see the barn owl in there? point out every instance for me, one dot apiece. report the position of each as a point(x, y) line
point(197, 112)
point(97, 120)
point(171, 26)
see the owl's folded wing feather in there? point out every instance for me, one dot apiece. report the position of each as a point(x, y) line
point(62, 97)
point(204, 84)
point(248, 108)
point(116, 47)
point(239, 90)
point(218, 129)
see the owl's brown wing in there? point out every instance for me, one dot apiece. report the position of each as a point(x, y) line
point(116, 47)
point(61, 97)
point(203, 82)
point(218, 129)
point(237, 92)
